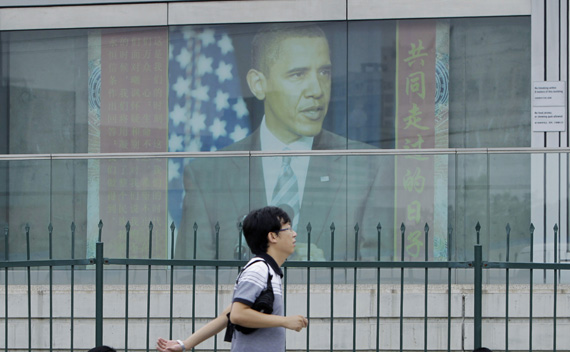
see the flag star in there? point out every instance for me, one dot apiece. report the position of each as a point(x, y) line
point(181, 87)
point(240, 108)
point(204, 65)
point(173, 170)
point(239, 133)
point(225, 44)
point(213, 148)
point(224, 72)
point(175, 143)
point(195, 145)
point(188, 32)
point(218, 128)
point(197, 123)
point(221, 100)
point(178, 115)
point(207, 37)
point(184, 58)
point(201, 93)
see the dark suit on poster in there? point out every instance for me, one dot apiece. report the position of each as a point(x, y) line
point(223, 190)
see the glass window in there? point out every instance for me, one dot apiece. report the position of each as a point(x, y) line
point(465, 83)
point(388, 84)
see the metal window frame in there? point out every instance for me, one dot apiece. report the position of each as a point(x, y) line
point(107, 13)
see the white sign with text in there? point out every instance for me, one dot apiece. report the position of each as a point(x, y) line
point(549, 118)
point(549, 106)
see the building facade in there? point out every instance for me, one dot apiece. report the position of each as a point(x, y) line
point(449, 113)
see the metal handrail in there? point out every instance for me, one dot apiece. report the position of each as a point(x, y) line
point(330, 152)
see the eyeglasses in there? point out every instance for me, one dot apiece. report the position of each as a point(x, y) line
point(285, 229)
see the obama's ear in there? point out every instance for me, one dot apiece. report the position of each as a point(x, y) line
point(256, 83)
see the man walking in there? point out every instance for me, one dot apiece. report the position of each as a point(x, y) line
point(271, 238)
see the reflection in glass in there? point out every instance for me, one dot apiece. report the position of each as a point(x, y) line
point(27, 199)
point(120, 90)
point(132, 191)
point(217, 198)
point(482, 69)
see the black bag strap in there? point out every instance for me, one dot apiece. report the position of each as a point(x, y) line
point(269, 276)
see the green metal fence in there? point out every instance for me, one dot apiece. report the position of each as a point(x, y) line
point(100, 264)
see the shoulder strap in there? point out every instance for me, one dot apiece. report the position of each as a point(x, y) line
point(269, 276)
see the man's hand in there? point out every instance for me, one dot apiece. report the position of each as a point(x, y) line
point(168, 345)
point(296, 322)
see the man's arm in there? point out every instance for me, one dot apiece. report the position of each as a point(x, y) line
point(205, 332)
point(243, 315)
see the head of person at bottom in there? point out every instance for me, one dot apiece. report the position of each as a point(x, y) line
point(268, 230)
point(102, 349)
point(291, 74)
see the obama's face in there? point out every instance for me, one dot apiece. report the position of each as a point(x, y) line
point(297, 88)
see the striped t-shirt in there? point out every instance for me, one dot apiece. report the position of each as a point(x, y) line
point(251, 282)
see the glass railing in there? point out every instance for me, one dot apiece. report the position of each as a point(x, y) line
point(355, 205)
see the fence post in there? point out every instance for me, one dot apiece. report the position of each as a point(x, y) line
point(478, 292)
point(6, 253)
point(99, 294)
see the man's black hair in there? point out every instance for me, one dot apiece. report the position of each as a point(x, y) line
point(482, 349)
point(258, 223)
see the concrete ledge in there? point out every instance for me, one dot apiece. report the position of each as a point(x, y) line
point(494, 325)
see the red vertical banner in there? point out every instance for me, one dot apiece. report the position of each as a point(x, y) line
point(415, 129)
point(134, 118)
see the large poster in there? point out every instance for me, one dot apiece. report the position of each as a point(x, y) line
point(270, 88)
point(129, 114)
point(421, 123)
point(292, 80)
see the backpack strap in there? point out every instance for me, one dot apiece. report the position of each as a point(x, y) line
point(269, 276)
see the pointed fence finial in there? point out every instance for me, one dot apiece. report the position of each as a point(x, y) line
point(172, 226)
point(332, 226)
point(100, 230)
point(128, 226)
point(478, 229)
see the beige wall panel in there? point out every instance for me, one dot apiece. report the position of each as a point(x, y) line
point(83, 16)
point(256, 11)
point(378, 9)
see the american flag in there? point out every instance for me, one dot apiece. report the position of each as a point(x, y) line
point(207, 111)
